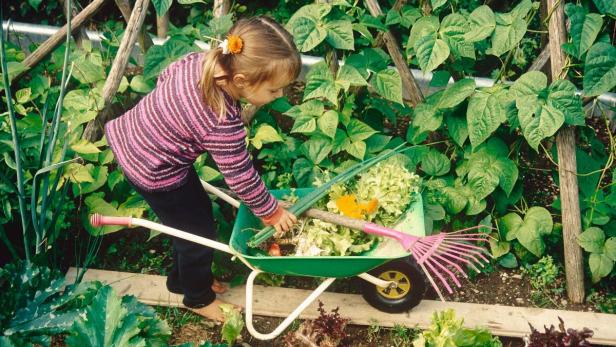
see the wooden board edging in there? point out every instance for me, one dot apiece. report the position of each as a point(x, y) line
point(279, 302)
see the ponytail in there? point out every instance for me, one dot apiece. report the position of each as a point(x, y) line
point(212, 93)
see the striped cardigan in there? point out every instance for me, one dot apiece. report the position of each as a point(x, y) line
point(158, 140)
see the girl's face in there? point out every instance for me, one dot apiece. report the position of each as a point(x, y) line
point(265, 92)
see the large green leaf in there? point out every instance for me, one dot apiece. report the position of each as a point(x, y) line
point(600, 266)
point(388, 84)
point(425, 26)
point(265, 134)
point(158, 57)
point(88, 67)
point(600, 69)
point(609, 248)
point(105, 323)
point(308, 33)
point(481, 24)
point(584, 28)
point(349, 76)
point(356, 149)
point(320, 84)
point(529, 231)
point(592, 240)
point(359, 130)
point(484, 115)
point(507, 36)
point(509, 225)
point(431, 52)
point(487, 167)
point(562, 94)
point(606, 7)
point(437, 3)
point(316, 149)
point(452, 30)
point(304, 172)
point(427, 117)
point(457, 128)
point(328, 123)
point(435, 163)
point(539, 119)
point(457, 93)
point(340, 34)
point(304, 124)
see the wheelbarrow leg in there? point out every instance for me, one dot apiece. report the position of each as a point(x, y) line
point(289, 319)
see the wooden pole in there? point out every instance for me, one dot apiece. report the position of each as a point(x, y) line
point(145, 41)
point(221, 8)
point(541, 60)
point(80, 35)
point(380, 40)
point(162, 25)
point(56, 39)
point(567, 168)
point(94, 128)
point(408, 81)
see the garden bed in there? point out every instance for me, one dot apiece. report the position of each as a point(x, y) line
point(278, 302)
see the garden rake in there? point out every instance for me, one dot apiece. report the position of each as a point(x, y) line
point(437, 255)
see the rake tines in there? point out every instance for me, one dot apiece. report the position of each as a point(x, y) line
point(437, 254)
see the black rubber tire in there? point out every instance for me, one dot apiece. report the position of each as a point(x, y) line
point(406, 266)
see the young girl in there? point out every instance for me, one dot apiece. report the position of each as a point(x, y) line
point(195, 109)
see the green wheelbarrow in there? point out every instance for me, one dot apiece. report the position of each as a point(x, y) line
point(392, 280)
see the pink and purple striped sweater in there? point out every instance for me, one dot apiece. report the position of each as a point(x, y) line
point(158, 140)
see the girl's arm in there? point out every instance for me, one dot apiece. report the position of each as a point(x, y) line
point(228, 149)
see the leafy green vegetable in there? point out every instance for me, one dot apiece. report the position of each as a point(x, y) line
point(446, 330)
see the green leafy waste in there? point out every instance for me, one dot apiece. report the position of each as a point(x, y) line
point(389, 185)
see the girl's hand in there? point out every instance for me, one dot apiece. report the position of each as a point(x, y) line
point(282, 220)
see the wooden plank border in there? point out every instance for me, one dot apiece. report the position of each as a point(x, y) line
point(279, 302)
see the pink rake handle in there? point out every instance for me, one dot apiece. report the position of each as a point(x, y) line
point(407, 241)
point(98, 220)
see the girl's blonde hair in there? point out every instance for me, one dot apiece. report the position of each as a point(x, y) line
point(268, 51)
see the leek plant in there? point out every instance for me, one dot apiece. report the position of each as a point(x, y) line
point(46, 194)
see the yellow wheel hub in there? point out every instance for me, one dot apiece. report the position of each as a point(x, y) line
point(403, 288)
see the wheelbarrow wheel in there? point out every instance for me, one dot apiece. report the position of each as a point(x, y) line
point(409, 292)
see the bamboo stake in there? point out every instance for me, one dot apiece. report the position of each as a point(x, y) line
point(567, 168)
point(56, 39)
point(411, 87)
point(93, 130)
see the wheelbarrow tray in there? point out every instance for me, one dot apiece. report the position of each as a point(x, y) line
point(246, 225)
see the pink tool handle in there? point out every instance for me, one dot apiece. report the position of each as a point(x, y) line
point(405, 240)
point(98, 220)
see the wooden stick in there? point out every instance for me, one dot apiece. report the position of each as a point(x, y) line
point(221, 7)
point(567, 166)
point(145, 41)
point(162, 25)
point(411, 87)
point(57, 38)
point(93, 130)
point(380, 40)
point(542, 60)
point(80, 35)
